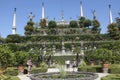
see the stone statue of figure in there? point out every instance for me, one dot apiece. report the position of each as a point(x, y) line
point(94, 14)
point(31, 16)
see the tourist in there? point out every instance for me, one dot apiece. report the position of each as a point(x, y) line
point(74, 64)
point(67, 63)
point(29, 64)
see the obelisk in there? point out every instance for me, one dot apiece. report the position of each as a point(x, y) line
point(14, 22)
point(110, 15)
point(81, 10)
point(43, 14)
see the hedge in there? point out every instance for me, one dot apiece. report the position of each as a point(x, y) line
point(38, 70)
point(114, 68)
point(111, 77)
point(62, 59)
point(95, 69)
point(11, 72)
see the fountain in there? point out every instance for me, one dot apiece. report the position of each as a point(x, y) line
point(67, 76)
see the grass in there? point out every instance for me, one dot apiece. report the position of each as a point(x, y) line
point(14, 78)
point(3, 77)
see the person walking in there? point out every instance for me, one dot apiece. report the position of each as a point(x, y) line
point(29, 64)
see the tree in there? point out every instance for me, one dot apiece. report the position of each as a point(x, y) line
point(82, 22)
point(96, 26)
point(113, 31)
point(103, 55)
point(29, 29)
point(13, 38)
point(43, 23)
point(2, 40)
point(21, 57)
point(6, 56)
point(52, 24)
point(73, 24)
point(118, 23)
point(87, 23)
point(99, 55)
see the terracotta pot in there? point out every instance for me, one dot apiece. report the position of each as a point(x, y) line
point(92, 63)
point(21, 68)
point(105, 65)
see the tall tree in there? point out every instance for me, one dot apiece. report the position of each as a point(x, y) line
point(96, 26)
point(113, 31)
point(43, 23)
point(118, 22)
point(81, 22)
point(29, 28)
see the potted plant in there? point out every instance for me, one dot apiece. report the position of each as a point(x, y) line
point(104, 56)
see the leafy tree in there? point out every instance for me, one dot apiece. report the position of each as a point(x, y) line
point(43, 23)
point(13, 39)
point(96, 26)
point(103, 55)
point(29, 29)
point(82, 22)
point(52, 24)
point(6, 56)
point(73, 24)
point(118, 22)
point(2, 40)
point(98, 55)
point(87, 23)
point(21, 57)
point(113, 31)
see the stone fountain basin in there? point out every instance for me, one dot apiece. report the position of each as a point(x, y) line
point(68, 76)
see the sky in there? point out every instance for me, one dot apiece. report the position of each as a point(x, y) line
point(53, 10)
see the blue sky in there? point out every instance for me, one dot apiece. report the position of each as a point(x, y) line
point(53, 9)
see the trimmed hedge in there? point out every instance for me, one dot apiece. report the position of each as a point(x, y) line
point(38, 70)
point(114, 68)
point(111, 77)
point(62, 59)
point(90, 69)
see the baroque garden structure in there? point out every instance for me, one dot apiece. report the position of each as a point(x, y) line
point(48, 40)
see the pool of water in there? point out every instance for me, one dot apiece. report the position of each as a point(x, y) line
point(67, 76)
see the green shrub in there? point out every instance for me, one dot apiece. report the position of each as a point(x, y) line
point(114, 68)
point(3, 77)
point(82, 69)
point(39, 70)
point(62, 59)
point(11, 72)
point(90, 68)
point(111, 77)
